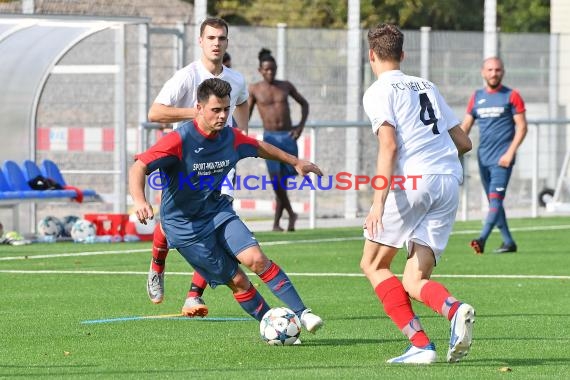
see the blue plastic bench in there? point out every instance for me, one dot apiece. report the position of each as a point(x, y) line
point(15, 188)
point(50, 170)
point(14, 183)
point(18, 181)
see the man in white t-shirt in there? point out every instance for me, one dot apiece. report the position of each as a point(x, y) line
point(419, 141)
point(176, 102)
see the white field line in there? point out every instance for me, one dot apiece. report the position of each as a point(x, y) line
point(519, 229)
point(264, 244)
point(94, 253)
point(123, 273)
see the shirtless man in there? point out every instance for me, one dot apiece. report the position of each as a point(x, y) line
point(271, 97)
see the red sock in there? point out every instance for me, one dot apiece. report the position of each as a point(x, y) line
point(438, 298)
point(398, 307)
point(159, 249)
point(198, 286)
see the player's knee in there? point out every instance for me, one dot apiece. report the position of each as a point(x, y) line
point(260, 264)
point(412, 287)
point(365, 267)
point(254, 259)
point(240, 283)
point(372, 269)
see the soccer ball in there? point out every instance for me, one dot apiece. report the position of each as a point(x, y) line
point(68, 222)
point(82, 231)
point(280, 326)
point(50, 226)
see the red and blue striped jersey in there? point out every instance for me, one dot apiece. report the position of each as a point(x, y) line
point(494, 112)
point(193, 168)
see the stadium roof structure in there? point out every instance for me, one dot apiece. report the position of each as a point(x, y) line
point(30, 48)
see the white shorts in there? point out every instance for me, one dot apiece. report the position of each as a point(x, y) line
point(424, 215)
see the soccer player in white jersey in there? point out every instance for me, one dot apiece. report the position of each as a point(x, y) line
point(176, 102)
point(419, 139)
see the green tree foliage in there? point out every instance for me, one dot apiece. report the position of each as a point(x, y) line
point(412, 14)
point(295, 13)
point(513, 15)
point(516, 16)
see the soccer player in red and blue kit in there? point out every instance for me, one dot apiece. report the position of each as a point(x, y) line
point(176, 102)
point(500, 114)
point(197, 219)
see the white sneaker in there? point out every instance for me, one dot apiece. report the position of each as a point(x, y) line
point(194, 307)
point(416, 355)
point(310, 321)
point(461, 333)
point(155, 286)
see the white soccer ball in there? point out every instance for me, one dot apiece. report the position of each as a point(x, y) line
point(82, 231)
point(68, 221)
point(50, 226)
point(280, 326)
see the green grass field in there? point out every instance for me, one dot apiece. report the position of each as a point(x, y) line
point(73, 311)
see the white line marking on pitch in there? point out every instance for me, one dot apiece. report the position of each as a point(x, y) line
point(94, 253)
point(100, 272)
point(264, 244)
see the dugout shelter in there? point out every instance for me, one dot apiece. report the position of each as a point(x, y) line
point(31, 50)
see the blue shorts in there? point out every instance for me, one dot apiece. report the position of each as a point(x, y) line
point(495, 178)
point(214, 257)
point(283, 141)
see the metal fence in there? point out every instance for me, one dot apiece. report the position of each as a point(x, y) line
point(539, 162)
point(538, 166)
point(315, 61)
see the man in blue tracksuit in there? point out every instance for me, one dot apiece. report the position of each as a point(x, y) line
point(500, 114)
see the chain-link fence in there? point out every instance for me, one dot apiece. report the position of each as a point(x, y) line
point(81, 106)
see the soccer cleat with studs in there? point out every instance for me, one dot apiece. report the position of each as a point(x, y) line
point(416, 355)
point(155, 286)
point(194, 307)
point(311, 322)
point(506, 248)
point(478, 246)
point(461, 333)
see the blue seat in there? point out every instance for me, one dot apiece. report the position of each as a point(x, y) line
point(6, 191)
point(4, 185)
point(15, 176)
point(31, 170)
point(51, 170)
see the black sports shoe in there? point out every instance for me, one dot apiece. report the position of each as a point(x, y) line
point(506, 248)
point(478, 246)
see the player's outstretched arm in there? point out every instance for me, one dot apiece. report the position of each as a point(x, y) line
point(160, 113)
point(467, 123)
point(271, 152)
point(137, 176)
point(460, 139)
